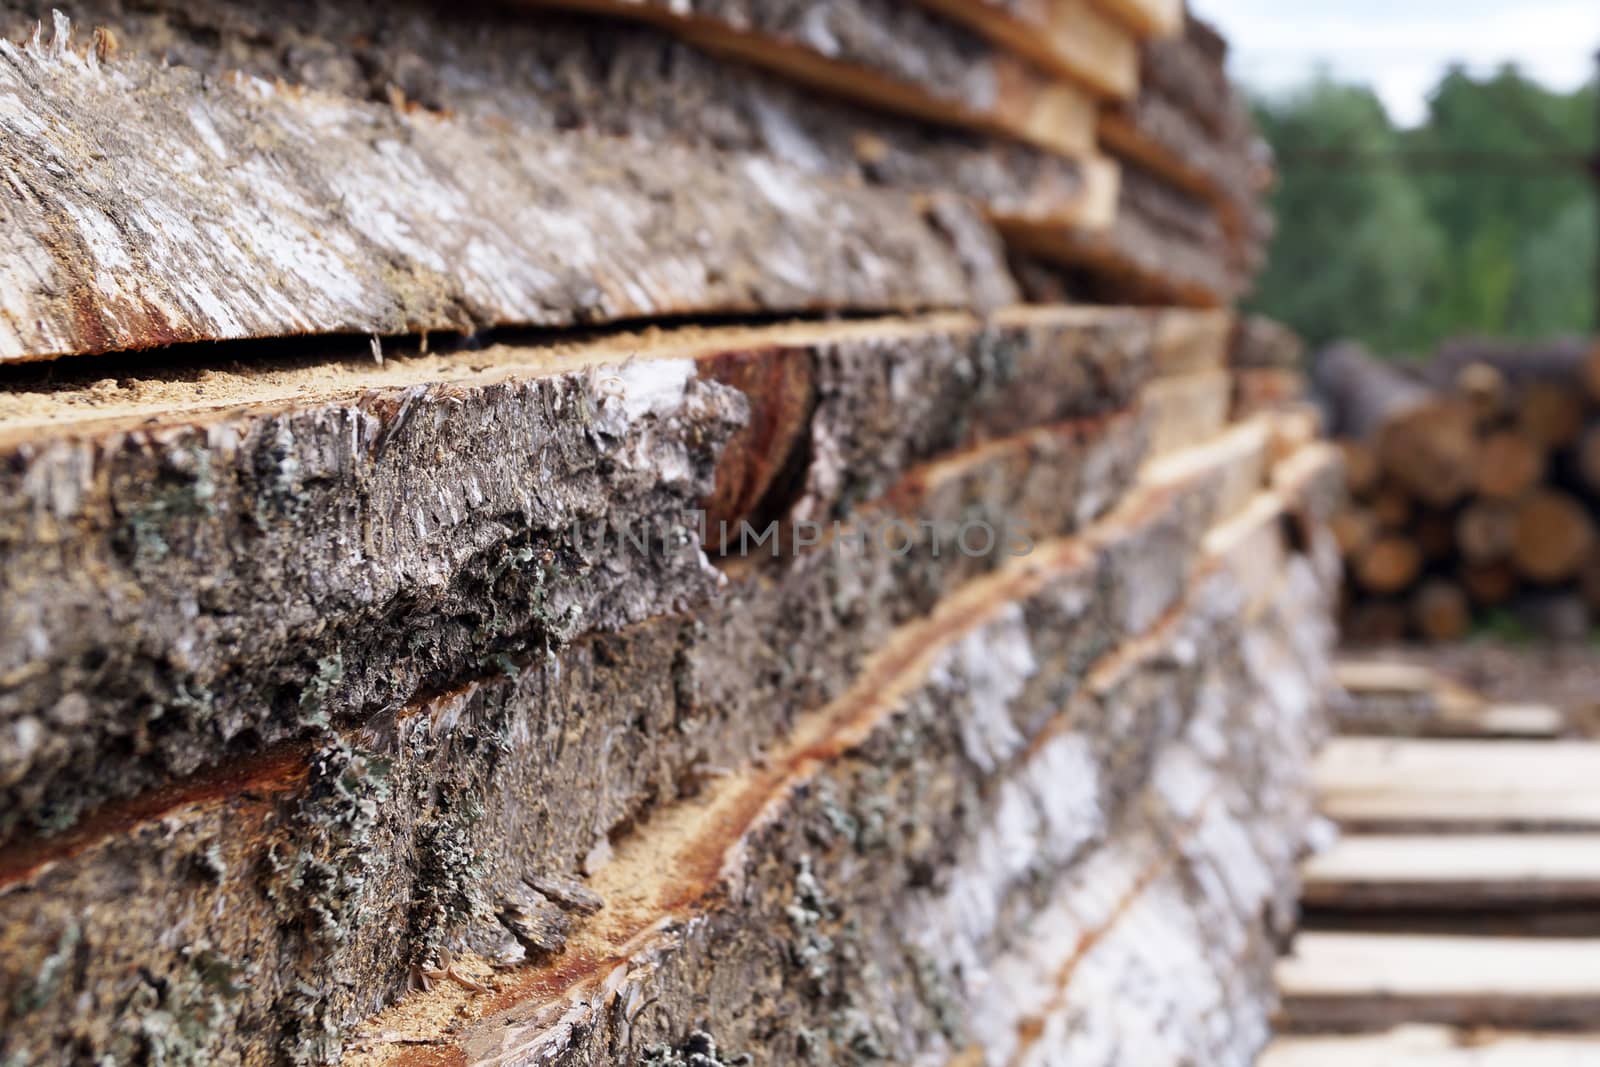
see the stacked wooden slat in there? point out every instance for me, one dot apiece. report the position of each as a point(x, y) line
point(1453, 921)
point(1191, 225)
point(609, 571)
point(1476, 489)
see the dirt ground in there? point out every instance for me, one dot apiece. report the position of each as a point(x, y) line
point(1564, 676)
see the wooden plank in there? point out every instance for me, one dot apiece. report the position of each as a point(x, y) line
point(1185, 69)
point(1131, 262)
point(1070, 38)
point(883, 53)
point(370, 219)
point(1135, 132)
point(1186, 409)
point(1197, 886)
point(1260, 343)
point(1163, 139)
point(1401, 698)
point(1240, 451)
point(1455, 871)
point(553, 71)
point(1381, 676)
point(1377, 981)
point(1150, 18)
point(116, 503)
point(1517, 720)
point(1434, 1046)
point(1040, 221)
point(1294, 428)
point(1251, 547)
point(552, 714)
point(1162, 245)
point(1459, 785)
point(1353, 762)
point(1267, 389)
point(1190, 341)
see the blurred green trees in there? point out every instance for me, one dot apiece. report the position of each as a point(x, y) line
point(1402, 256)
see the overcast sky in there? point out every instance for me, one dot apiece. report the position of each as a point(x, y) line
point(1401, 46)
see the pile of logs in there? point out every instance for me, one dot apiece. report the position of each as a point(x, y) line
point(1475, 486)
point(547, 533)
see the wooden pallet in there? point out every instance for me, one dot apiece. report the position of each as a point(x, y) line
point(1500, 871)
point(1457, 921)
point(1354, 981)
point(1435, 1046)
point(1460, 786)
point(1381, 696)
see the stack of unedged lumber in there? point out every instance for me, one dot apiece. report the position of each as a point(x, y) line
point(550, 537)
point(1475, 489)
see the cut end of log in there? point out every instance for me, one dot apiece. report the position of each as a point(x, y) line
point(1389, 565)
point(1441, 611)
point(1432, 451)
point(1509, 465)
point(1554, 537)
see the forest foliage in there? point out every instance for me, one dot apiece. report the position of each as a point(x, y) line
point(1479, 231)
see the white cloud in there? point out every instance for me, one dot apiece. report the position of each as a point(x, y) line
point(1401, 46)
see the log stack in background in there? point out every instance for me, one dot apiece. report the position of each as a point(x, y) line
point(376, 684)
point(1475, 486)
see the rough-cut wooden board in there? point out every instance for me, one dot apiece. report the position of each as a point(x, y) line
point(1259, 343)
point(1257, 389)
point(1434, 1046)
point(151, 205)
point(1188, 342)
point(604, 733)
point(1377, 981)
point(1170, 212)
point(1183, 71)
point(1164, 245)
point(1151, 18)
point(1295, 428)
point(1159, 136)
point(562, 1009)
point(1070, 38)
point(1128, 264)
point(1253, 544)
point(1387, 697)
point(388, 510)
point(1241, 451)
point(1311, 473)
point(885, 53)
point(556, 72)
point(1187, 409)
point(1385, 676)
point(1197, 887)
point(426, 819)
point(1511, 720)
point(1092, 210)
point(1455, 871)
point(1461, 785)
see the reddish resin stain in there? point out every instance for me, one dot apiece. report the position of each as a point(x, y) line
point(777, 383)
point(260, 779)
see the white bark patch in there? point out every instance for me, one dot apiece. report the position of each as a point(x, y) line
point(994, 664)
